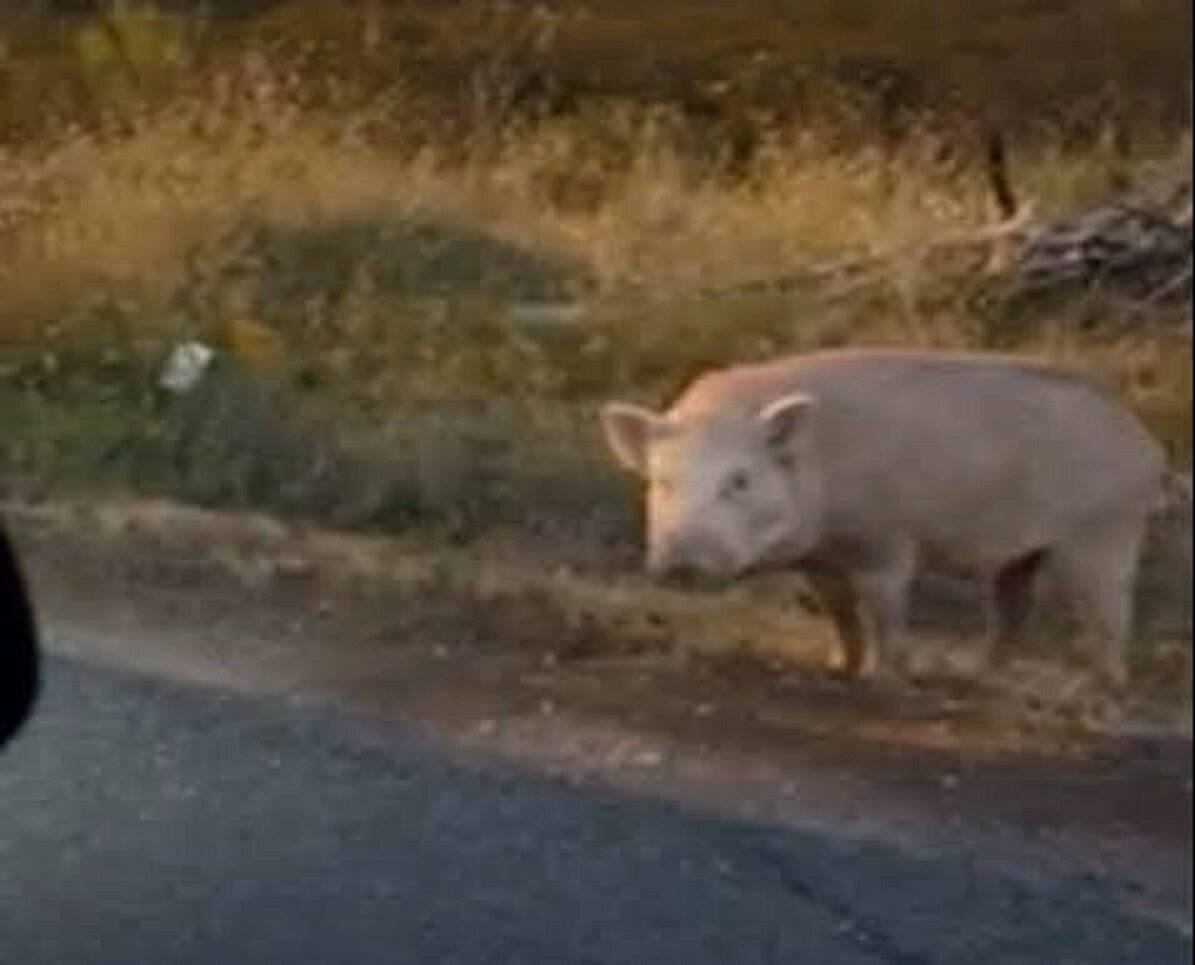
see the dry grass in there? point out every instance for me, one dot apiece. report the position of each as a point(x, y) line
point(618, 201)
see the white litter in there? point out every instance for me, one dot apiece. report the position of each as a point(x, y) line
point(185, 366)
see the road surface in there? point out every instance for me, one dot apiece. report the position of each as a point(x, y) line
point(143, 820)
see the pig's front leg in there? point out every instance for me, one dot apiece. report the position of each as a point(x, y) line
point(882, 595)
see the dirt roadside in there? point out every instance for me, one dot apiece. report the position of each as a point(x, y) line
point(1008, 773)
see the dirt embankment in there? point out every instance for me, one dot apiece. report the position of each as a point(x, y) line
point(594, 676)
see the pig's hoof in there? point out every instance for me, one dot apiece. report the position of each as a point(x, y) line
point(842, 673)
point(999, 656)
point(882, 673)
point(1113, 678)
point(844, 665)
point(887, 675)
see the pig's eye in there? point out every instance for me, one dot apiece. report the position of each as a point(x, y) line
point(736, 484)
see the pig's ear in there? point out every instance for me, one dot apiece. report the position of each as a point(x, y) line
point(785, 419)
point(628, 430)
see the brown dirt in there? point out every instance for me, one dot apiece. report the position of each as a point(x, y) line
point(1010, 770)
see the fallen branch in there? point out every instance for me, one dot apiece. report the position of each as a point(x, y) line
point(1169, 288)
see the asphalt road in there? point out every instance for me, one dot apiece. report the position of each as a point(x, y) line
point(146, 821)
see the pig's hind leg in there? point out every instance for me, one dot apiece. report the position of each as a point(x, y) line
point(1098, 570)
point(1009, 607)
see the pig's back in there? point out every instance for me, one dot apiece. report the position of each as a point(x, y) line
point(972, 449)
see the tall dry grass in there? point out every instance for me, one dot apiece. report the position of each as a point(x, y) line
point(615, 195)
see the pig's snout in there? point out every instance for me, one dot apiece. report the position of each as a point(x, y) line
point(686, 555)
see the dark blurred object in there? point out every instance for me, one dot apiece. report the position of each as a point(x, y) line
point(19, 677)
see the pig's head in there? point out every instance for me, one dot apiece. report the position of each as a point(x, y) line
point(725, 494)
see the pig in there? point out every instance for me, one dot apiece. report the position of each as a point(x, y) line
point(861, 468)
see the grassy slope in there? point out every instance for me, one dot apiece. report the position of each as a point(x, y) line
point(378, 370)
point(368, 231)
